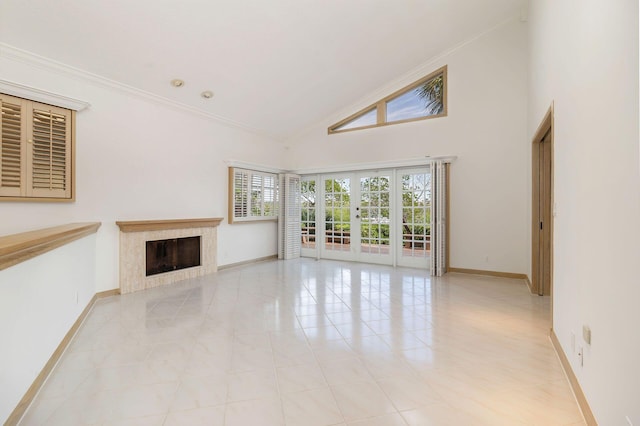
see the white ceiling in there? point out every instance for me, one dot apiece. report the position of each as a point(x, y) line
point(275, 66)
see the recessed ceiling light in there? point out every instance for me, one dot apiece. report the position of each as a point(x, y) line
point(208, 94)
point(176, 82)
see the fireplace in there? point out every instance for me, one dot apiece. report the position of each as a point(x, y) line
point(172, 254)
point(195, 241)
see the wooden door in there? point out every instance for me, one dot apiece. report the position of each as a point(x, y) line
point(544, 287)
point(542, 225)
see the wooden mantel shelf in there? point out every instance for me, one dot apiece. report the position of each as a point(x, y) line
point(17, 248)
point(158, 225)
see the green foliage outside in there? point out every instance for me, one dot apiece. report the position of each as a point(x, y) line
point(337, 205)
point(432, 92)
point(374, 207)
point(416, 205)
point(308, 206)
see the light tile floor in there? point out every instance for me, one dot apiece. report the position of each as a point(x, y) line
point(307, 342)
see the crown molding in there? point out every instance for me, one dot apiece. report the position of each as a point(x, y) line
point(18, 55)
point(39, 95)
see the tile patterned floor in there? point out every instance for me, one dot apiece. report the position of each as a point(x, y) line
point(307, 342)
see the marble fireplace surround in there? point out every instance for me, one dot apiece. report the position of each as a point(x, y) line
point(134, 236)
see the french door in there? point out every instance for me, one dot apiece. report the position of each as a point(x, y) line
point(371, 216)
point(414, 225)
point(356, 213)
point(338, 213)
point(309, 231)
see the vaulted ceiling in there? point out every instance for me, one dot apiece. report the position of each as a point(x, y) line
point(275, 66)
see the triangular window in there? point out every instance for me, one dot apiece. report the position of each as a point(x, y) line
point(422, 99)
point(365, 119)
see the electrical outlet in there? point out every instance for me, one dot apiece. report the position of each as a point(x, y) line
point(581, 355)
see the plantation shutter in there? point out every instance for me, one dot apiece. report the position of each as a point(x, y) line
point(12, 148)
point(49, 148)
point(269, 196)
point(289, 217)
point(35, 150)
point(240, 188)
point(438, 218)
point(252, 195)
point(256, 194)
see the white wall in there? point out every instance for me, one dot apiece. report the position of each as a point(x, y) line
point(584, 58)
point(136, 159)
point(40, 299)
point(139, 159)
point(485, 128)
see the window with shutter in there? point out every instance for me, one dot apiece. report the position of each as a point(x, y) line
point(256, 194)
point(37, 151)
point(253, 195)
point(240, 193)
point(12, 149)
point(50, 154)
point(269, 196)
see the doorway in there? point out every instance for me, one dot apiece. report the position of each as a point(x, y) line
point(373, 216)
point(356, 208)
point(541, 213)
point(414, 230)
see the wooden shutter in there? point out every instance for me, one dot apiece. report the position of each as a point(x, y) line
point(256, 195)
point(269, 196)
point(239, 198)
point(49, 150)
point(289, 220)
point(438, 218)
point(253, 195)
point(12, 146)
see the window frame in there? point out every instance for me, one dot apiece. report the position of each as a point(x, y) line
point(381, 106)
point(250, 204)
point(26, 137)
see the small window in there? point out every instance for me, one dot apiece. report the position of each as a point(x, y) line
point(253, 195)
point(367, 119)
point(263, 195)
point(36, 151)
point(422, 99)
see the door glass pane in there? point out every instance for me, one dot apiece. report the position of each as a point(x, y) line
point(337, 214)
point(374, 215)
point(416, 214)
point(308, 213)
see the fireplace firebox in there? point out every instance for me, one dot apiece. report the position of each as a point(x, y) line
point(172, 254)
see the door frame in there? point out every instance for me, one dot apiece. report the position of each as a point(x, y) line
point(545, 128)
point(394, 167)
